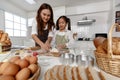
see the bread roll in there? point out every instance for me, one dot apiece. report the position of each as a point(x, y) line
point(0, 35)
point(98, 41)
point(4, 37)
point(115, 46)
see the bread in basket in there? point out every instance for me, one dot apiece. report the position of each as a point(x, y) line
point(108, 54)
point(5, 41)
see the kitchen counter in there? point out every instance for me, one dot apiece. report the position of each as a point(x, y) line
point(47, 62)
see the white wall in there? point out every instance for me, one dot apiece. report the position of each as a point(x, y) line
point(99, 13)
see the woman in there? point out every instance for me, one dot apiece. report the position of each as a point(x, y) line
point(42, 27)
point(63, 36)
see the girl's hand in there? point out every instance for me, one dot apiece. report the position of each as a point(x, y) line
point(61, 46)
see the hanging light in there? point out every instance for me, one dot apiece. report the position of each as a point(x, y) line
point(31, 1)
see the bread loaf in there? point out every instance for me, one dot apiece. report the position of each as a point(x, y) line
point(54, 72)
point(61, 72)
point(47, 75)
point(89, 75)
point(68, 73)
point(74, 73)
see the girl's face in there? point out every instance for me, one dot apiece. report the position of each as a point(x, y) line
point(62, 24)
point(45, 15)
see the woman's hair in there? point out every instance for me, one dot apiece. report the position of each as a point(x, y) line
point(67, 20)
point(40, 26)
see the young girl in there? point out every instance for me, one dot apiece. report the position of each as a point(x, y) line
point(42, 27)
point(63, 36)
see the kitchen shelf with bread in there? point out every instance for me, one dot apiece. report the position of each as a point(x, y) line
point(5, 42)
point(20, 68)
point(107, 53)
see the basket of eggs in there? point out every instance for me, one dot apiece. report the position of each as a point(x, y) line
point(5, 41)
point(107, 53)
point(17, 68)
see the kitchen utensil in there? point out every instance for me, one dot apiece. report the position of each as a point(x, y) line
point(67, 58)
point(84, 60)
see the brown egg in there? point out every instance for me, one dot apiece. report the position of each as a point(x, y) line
point(1, 63)
point(13, 59)
point(6, 77)
point(27, 57)
point(11, 69)
point(33, 60)
point(3, 67)
point(17, 61)
point(33, 68)
point(23, 63)
point(23, 74)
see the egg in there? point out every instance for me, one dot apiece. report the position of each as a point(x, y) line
point(23, 63)
point(33, 68)
point(3, 66)
point(13, 59)
point(27, 57)
point(6, 77)
point(1, 63)
point(11, 69)
point(23, 74)
point(33, 60)
point(17, 61)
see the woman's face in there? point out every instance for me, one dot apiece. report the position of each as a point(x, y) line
point(62, 24)
point(45, 15)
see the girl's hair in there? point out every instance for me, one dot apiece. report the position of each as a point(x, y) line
point(40, 26)
point(67, 20)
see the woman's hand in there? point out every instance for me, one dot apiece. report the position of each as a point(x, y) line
point(48, 45)
point(44, 47)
